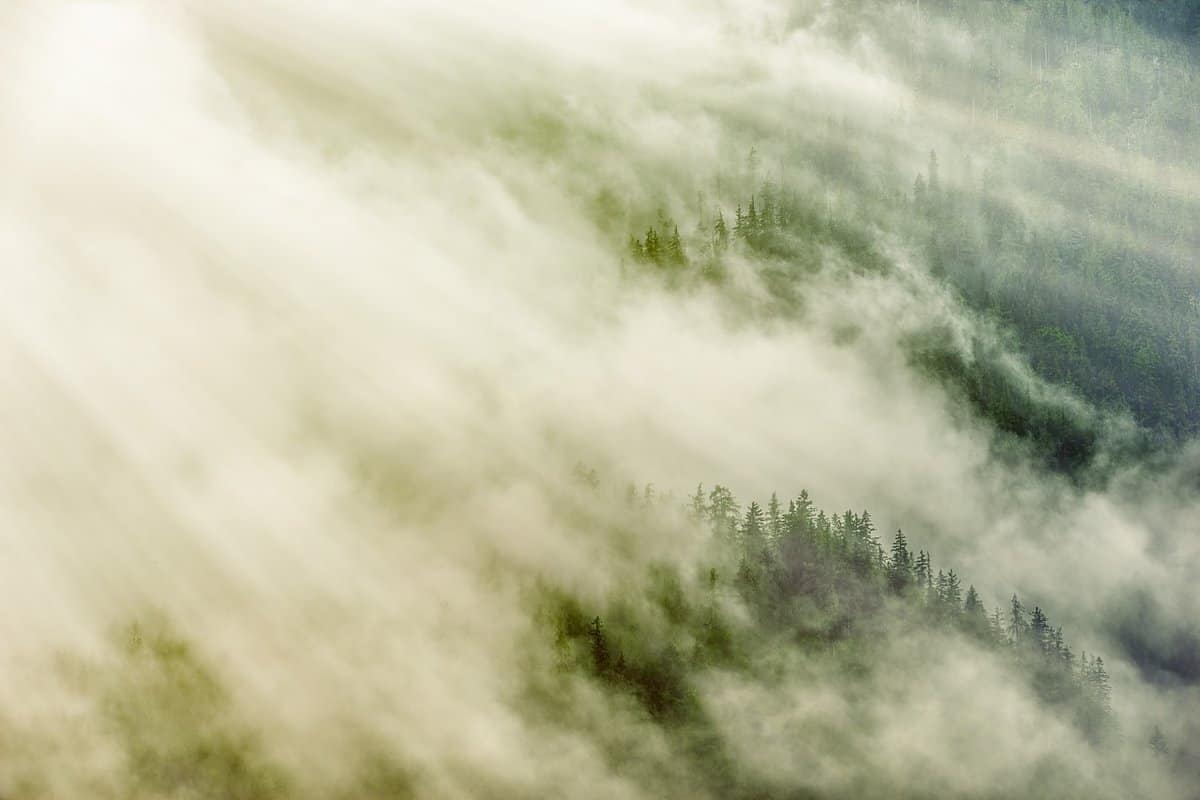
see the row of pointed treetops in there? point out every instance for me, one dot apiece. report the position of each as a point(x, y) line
point(774, 209)
point(783, 551)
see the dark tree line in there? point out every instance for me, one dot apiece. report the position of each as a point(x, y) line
point(814, 580)
point(1115, 325)
point(785, 228)
point(1103, 300)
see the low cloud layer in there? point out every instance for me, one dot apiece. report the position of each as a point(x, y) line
point(308, 315)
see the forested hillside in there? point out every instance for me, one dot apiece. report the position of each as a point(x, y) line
point(360, 364)
point(1052, 213)
point(782, 583)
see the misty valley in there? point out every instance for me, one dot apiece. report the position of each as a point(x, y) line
point(405, 399)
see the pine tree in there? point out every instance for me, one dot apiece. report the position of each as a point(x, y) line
point(971, 605)
point(723, 512)
point(754, 531)
point(1065, 657)
point(974, 615)
point(1039, 630)
point(864, 546)
point(774, 520)
point(952, 593)
point(674, 253)
point(697, 509)
point(900, 567)
point(1016, 621)
point(802, 517)
point(866, 530)
point(766, 214)
point(1097, 678)
point(652, 248)
point(823, 533)
point(599, 646)
point(720, 234)
point(924, 567)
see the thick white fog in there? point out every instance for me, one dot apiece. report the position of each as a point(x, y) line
point(307, 314)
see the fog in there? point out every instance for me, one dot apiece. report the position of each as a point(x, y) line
point(310, 312)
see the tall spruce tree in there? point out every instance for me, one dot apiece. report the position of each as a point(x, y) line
point(900, 565)
point(1016, 621)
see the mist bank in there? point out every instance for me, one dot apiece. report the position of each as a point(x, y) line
point(310, 316)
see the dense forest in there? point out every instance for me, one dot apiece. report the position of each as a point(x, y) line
point(817, 584)
point(1096, 285)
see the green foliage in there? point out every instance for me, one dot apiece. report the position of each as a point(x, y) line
point(176, 731)
point(817, 586)
point(1080, 106)
point(174, 721)
point(1063, 436)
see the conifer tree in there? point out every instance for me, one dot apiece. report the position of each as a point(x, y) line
point(974, 616)
point(696, 508)
point(754, 532)
point(900, 567)
point(952, 593)
point(1016, 621)
point(723, 512)
point(766, 213)
point(996, 626)
point(971, 605)
point(823, 532)
point(720, 233)
point(652, 248)
point(1098, 682)
point(1039, 630)
point(674, 251)
point(774, 520)
point(599, 646)
point(924, 578)
point(803, 515)
point(864, 546)
point(1061, 649)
